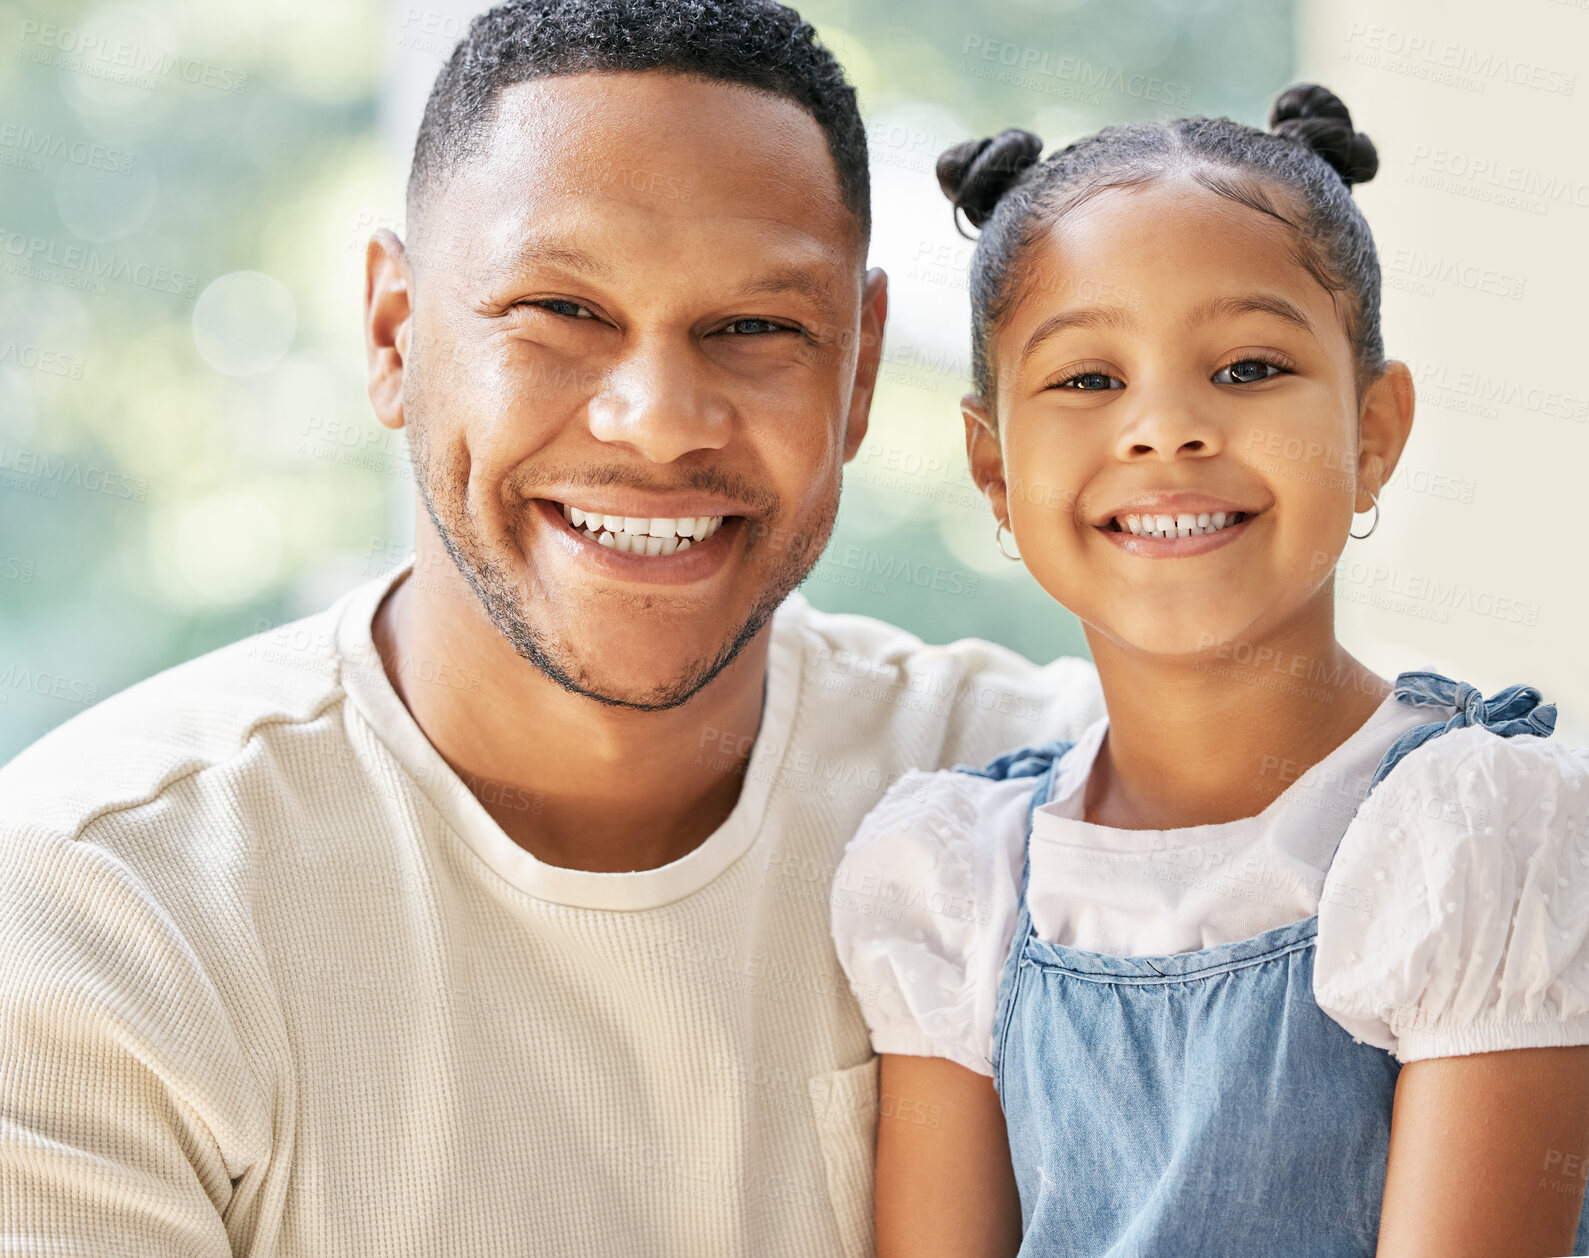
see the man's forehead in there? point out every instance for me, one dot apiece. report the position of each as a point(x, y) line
point(624, 100)
point(668, 143)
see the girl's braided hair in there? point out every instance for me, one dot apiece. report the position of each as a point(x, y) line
point(1310, 152)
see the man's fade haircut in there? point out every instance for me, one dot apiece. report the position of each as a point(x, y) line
point(755, 43)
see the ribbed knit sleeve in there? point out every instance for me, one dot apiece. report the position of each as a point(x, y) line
point(118, 1066)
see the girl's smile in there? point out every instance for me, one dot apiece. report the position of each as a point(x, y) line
point(1151, 422)
point(1170, 534)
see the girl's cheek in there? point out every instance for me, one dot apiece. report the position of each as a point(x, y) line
point(1040, 495)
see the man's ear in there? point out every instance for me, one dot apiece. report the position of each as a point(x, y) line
point(1384, 424)
point(388, 324)
point(869, 354)
point(985, 455)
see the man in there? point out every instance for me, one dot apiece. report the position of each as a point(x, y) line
point(487, 912)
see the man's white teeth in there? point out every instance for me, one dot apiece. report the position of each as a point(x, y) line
point(642, 535)
point(1184, 525)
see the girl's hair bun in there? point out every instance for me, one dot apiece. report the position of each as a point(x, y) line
point(1317, 117)
point(976, 173)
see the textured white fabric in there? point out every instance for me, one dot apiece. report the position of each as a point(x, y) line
point(1455, 919)
point(1396, 965)
point(273, 983)
point(924, 904)
point(1153, 892)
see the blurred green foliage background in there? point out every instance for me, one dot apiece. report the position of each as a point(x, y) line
point(186, 186)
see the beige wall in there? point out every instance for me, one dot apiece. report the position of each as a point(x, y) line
point(1481, 209)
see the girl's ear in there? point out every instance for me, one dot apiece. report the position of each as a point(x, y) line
point(1383, 428)
point(985, 455)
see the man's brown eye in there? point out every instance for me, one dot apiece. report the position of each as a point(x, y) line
point(572, 309)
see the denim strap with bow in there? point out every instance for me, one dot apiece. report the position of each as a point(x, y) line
point(1515, 710)
point(1023, 762)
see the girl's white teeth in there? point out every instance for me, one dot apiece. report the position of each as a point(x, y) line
point(1184, 525)
point(637, 535)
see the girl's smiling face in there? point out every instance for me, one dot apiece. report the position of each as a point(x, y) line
point(1169, 360)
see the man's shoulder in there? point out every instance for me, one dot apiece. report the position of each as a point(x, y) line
point(979, 698)
point(840, 637)
point(131, 747)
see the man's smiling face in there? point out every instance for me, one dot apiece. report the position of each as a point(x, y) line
point(641, 348)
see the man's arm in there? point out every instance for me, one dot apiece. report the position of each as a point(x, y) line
point(120, 1077)
point(1488, 1155)
point(944, 1184)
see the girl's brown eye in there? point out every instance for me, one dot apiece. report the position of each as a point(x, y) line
point(1092, 381)
point(1247, 371)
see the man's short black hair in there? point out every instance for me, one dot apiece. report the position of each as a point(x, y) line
point(756, 43)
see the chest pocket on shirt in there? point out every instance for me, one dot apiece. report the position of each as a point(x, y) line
point(844, 1103)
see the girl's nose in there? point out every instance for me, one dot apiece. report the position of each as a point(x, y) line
point(1166, 430)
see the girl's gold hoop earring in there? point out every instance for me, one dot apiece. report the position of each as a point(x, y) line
point(998, 540)
point(1360, 536)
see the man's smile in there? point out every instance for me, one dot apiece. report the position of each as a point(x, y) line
point(641, 535)
point(655, 549)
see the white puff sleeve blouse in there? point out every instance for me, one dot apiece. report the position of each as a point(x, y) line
point(1455, 918)
point(1452, 919)
point(924, 904)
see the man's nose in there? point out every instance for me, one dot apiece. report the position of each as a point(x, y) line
point(660, 402)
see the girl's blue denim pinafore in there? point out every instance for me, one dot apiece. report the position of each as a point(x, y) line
point(1201, 1103)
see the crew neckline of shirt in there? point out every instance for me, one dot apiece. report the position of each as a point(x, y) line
point(1059, 820)
point(367, 685)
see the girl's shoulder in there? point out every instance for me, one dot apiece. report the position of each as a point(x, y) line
point(1475, 779)
point(923, 907)
point(1455, 916)
point(947, 804)
point(936, 833)
point(964, 807)
point(1479, 745)
point(933, 835)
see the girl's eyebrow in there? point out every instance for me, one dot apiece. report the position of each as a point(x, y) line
point(1118, 317)
point(1254, 303)
point(1085, 317)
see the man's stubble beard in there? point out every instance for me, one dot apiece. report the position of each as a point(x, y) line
point(504, 603)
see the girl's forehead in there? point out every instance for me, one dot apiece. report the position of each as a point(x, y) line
point(1161, 244)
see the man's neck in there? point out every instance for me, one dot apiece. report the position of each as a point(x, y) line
point(576, 783)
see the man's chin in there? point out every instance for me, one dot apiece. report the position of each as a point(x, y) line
point(650, 680)
point(644, 658)
point(642, 650)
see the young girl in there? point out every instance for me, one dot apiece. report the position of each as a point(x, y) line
point(1280, 958)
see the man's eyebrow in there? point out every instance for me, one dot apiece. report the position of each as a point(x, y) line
point(1085, 317)
point(548, 251)
point(1253, 303)
point(551, 251)
point(790, 279)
